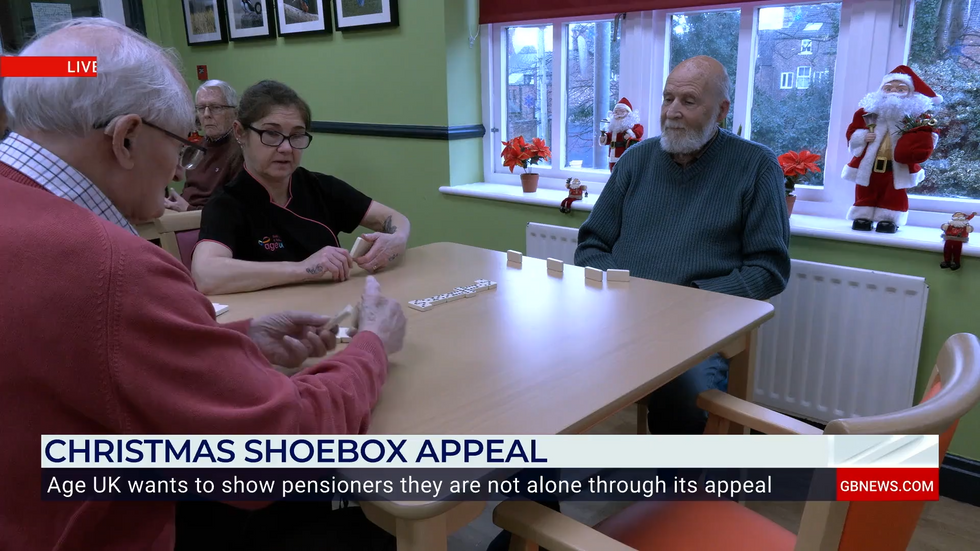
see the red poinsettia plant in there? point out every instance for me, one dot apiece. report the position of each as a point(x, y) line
point(796, 165)
point(518, 152)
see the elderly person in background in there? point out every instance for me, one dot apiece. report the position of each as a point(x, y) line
point(277, 223)
point(104, 333)
point(698, 207)
point(215, 103)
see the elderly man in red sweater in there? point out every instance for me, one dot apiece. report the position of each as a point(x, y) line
point(104, 333)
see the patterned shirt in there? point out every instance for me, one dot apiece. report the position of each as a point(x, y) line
point(56, 176)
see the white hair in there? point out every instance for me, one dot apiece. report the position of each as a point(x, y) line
point(231, 96)
point(724, 85)
point(135, 76)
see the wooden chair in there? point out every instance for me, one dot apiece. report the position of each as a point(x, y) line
point(178, 233)
point(953, 389)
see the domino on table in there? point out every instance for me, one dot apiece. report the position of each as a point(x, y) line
point(420, 305)
point(556, 265)
point(514, 256)
point(342, 335)
point(360, 248)
point(618, 275)
point(347, 312)
point(594, 274)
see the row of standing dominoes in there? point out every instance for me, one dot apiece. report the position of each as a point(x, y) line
point(426, 304)
point(555, 265)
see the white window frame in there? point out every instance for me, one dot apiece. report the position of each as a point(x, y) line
point(787, 80)
point(802, 78)
point(806, 46)
point(879, 42)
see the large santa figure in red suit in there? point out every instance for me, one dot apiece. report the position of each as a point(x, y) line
point(890, 135)
point(622, 131)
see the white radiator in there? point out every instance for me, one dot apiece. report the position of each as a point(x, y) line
point(547, 241)
point(843, 343)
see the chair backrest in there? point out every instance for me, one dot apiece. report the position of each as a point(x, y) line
point(179, 233)
point(952, 391)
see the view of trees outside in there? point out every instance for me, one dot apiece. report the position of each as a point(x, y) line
point(713, 34)
point(528, 72)
point(592, 88)
point(945, 52)
point(794, 79)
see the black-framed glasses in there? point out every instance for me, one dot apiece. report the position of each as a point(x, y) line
point(272, 138)
point(190, 154)
point(214, 108)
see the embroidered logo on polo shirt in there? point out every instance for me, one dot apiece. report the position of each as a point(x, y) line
point(271, 243)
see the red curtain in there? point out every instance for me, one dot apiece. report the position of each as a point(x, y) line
point(502, 11)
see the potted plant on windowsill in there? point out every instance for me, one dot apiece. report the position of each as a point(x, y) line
point(796, 166)
point(517, 152)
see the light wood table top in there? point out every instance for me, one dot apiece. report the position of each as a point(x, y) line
point(543, 353)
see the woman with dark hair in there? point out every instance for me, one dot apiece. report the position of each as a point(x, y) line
point(277, 223)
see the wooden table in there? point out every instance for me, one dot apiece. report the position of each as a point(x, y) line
point(543, 353)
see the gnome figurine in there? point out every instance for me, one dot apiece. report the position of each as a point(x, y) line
point(955, 232)
point(576, 190)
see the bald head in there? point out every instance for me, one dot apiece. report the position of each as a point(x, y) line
point(696, 100)
point(706, 70)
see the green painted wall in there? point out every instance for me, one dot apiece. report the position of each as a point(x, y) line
point(424, 72)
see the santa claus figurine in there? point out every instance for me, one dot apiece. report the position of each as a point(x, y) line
point(955, 232)
point(576, 190)
point(890, 135)
point(622, 130)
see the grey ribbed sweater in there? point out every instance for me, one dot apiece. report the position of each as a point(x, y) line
point(720, 224)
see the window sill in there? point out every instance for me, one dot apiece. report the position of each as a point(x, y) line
point(514, 194)
point(820, 227)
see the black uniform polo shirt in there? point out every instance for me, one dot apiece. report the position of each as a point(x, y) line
point(242, 216)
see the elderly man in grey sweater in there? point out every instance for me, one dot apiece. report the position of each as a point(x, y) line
point(699, 207)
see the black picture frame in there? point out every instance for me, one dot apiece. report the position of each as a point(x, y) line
point(220, 23)
point(386, 18)
point(265, 7)
point(323, 25)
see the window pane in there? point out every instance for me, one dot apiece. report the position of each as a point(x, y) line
point(529, 51)
point(592, 87)
point(787, 115)
point(945, 53)
point(713, 34)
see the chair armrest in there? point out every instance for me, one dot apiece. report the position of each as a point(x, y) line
point(750, 415)
point(550, 529)
point(172, 221)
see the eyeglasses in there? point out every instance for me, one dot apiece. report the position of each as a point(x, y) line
point(190, 154)
point(214, 108)
point(272, 138)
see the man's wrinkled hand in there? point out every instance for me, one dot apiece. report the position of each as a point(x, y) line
point(288, 339)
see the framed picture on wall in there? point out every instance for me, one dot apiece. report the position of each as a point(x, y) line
point(204, 22)
point(366, 14)
point(303, 17)
point(250, 19)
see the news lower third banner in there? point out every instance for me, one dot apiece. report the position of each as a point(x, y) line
point(483, 468)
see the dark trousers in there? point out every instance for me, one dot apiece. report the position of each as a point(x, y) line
point(292, 526)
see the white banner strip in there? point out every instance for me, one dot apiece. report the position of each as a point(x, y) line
point(488, 452)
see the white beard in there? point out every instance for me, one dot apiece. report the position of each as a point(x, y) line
point(958, 224)
point(617, 125)
point(688, 140)
point(891, 108)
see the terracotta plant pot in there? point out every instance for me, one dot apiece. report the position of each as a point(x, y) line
point(529, 181)
point(790, 201)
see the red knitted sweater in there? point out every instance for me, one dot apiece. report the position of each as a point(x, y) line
point(102, 332)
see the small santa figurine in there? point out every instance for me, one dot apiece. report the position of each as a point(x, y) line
point(892, 133)
point(576, 190)
point(955, 232)
point(623, 129)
